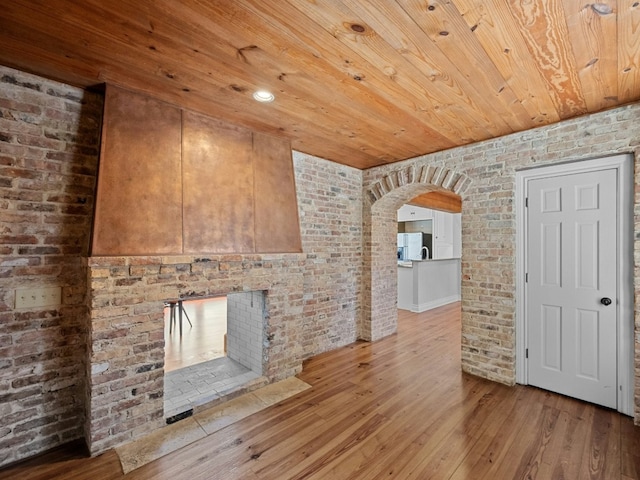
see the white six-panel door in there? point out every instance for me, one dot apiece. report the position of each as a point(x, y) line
point(571, 246)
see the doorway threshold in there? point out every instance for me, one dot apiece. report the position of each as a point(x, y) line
point(203, 385)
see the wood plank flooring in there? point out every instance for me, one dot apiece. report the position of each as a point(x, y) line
point(399, 408)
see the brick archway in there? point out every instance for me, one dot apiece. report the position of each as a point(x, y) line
point(382, 200)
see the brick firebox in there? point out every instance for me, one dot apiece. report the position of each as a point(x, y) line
point(126, 347)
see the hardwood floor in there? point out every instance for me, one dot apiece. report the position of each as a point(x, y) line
point(399, 408)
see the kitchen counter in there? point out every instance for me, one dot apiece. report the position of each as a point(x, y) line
point(409, 263)
point(428, 284)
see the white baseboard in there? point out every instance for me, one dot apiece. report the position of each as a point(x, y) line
point(423, 307)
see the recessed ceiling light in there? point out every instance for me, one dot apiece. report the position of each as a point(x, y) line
point(263, 96)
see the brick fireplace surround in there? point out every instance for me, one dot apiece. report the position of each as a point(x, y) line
point(126, 360)
point(92, 367)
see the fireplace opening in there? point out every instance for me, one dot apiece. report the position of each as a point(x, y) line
point(219, 352)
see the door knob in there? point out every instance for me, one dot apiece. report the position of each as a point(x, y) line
point(605, 301)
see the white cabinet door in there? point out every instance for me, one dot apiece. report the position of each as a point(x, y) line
point(409, 213)
point(457, 235)
point(442, 235)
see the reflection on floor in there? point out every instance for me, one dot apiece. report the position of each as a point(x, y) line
point(197, 371)
point(200, 343)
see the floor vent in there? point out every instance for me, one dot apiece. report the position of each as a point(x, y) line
point(179, 416)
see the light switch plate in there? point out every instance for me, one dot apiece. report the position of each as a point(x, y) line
point(38, 297)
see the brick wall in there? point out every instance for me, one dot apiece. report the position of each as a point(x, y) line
point(484, 173)
point(246, 325)
point(330, 211)
point(49, 135)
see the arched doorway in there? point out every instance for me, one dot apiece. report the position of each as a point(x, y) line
point(380, 238)
point(429, 251)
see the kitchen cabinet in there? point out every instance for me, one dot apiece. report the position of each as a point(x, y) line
point(428, 284)
point(457, 235)
point(410, 213)
point(446, 229)
point(442, 235)
point(447, 235)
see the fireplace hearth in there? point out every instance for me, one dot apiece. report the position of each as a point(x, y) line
point(201, 384)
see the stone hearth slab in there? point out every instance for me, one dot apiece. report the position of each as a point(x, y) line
point(180, 434)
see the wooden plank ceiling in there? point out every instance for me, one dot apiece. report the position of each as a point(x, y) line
point(359, 82)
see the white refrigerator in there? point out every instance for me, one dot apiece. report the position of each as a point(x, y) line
point(410, 246)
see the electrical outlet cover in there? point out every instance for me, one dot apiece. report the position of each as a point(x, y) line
point(38, 297)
